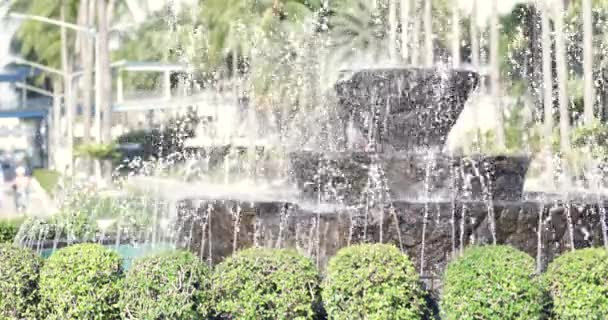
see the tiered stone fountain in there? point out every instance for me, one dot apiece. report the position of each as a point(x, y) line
point(390, 182)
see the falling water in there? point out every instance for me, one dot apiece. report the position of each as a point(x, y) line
point(568, 207)
point(427, 190)
point(453, 190)
point(539, 238)
point(236, 214)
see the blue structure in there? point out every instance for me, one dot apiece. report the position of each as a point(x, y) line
point(31, 114)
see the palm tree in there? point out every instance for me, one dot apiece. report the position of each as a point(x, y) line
point(455, 35)
point(405, 28)
point(105, 74)
point(86, 14)
point(495, 74)
point(428, 32)
point(588, 61)
point(475, 61)
point(392, 25)
point(41, 42)
point(547, 73)
point(547, 86)
point(68, 85)
point(358, 30)
point(562, 76)
point(416, 33)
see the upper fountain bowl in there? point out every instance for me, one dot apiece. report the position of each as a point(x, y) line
point(403, 108)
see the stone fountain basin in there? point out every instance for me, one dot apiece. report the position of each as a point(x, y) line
point(541, 228)
point(407, 176)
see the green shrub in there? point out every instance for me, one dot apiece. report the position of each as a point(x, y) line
point(492, 282)
point(9, 229)
point(48, 179)
point(372, 281)
point(167, 286)
point(81, 282)
point(265, 284)
point(578, 283)
point(19, 274)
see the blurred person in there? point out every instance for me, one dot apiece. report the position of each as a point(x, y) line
point(21, 188)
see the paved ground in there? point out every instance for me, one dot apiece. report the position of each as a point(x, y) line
point(40, 204)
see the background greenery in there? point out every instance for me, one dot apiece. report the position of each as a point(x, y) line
point(9, 229)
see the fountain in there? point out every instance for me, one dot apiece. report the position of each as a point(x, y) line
point(388, 181)
point(376, 171)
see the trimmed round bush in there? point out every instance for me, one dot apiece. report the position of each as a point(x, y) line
point(268, 284)
point(172, 285)
point(19, 274)
point(492, 282)
point(578, 283)
point(81, 282)
point(372, 281)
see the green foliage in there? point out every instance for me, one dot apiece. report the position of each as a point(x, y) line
point(592, 140)
point(77, 218)
point(81, 282)
point(19, 274)
point(492, 282)
point(232, 24)
point(578, 283)
point(169, 286)
point(47, 179)
point(98, 151)
point(9, 229)
point(372, 281)
point(40, 42)
point(265, 284)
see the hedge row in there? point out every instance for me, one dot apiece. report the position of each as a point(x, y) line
point(9, 229)
point(368, 281)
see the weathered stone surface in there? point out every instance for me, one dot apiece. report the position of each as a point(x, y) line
point(404, 108)
point(346, 177)
point(430, 233)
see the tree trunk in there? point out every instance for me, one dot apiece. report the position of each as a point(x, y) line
point(87, 52)
point(547, 75)
point(392, 32)
point(547, 87)
point(416, 34)
point(455, 36)
point(495, 75)
point(562, 76)
point(474, 36)
point(68, 95)
point(105, 73)
point(56, 124)
point(428, 33)
point(405, 28)
point(588, 61)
